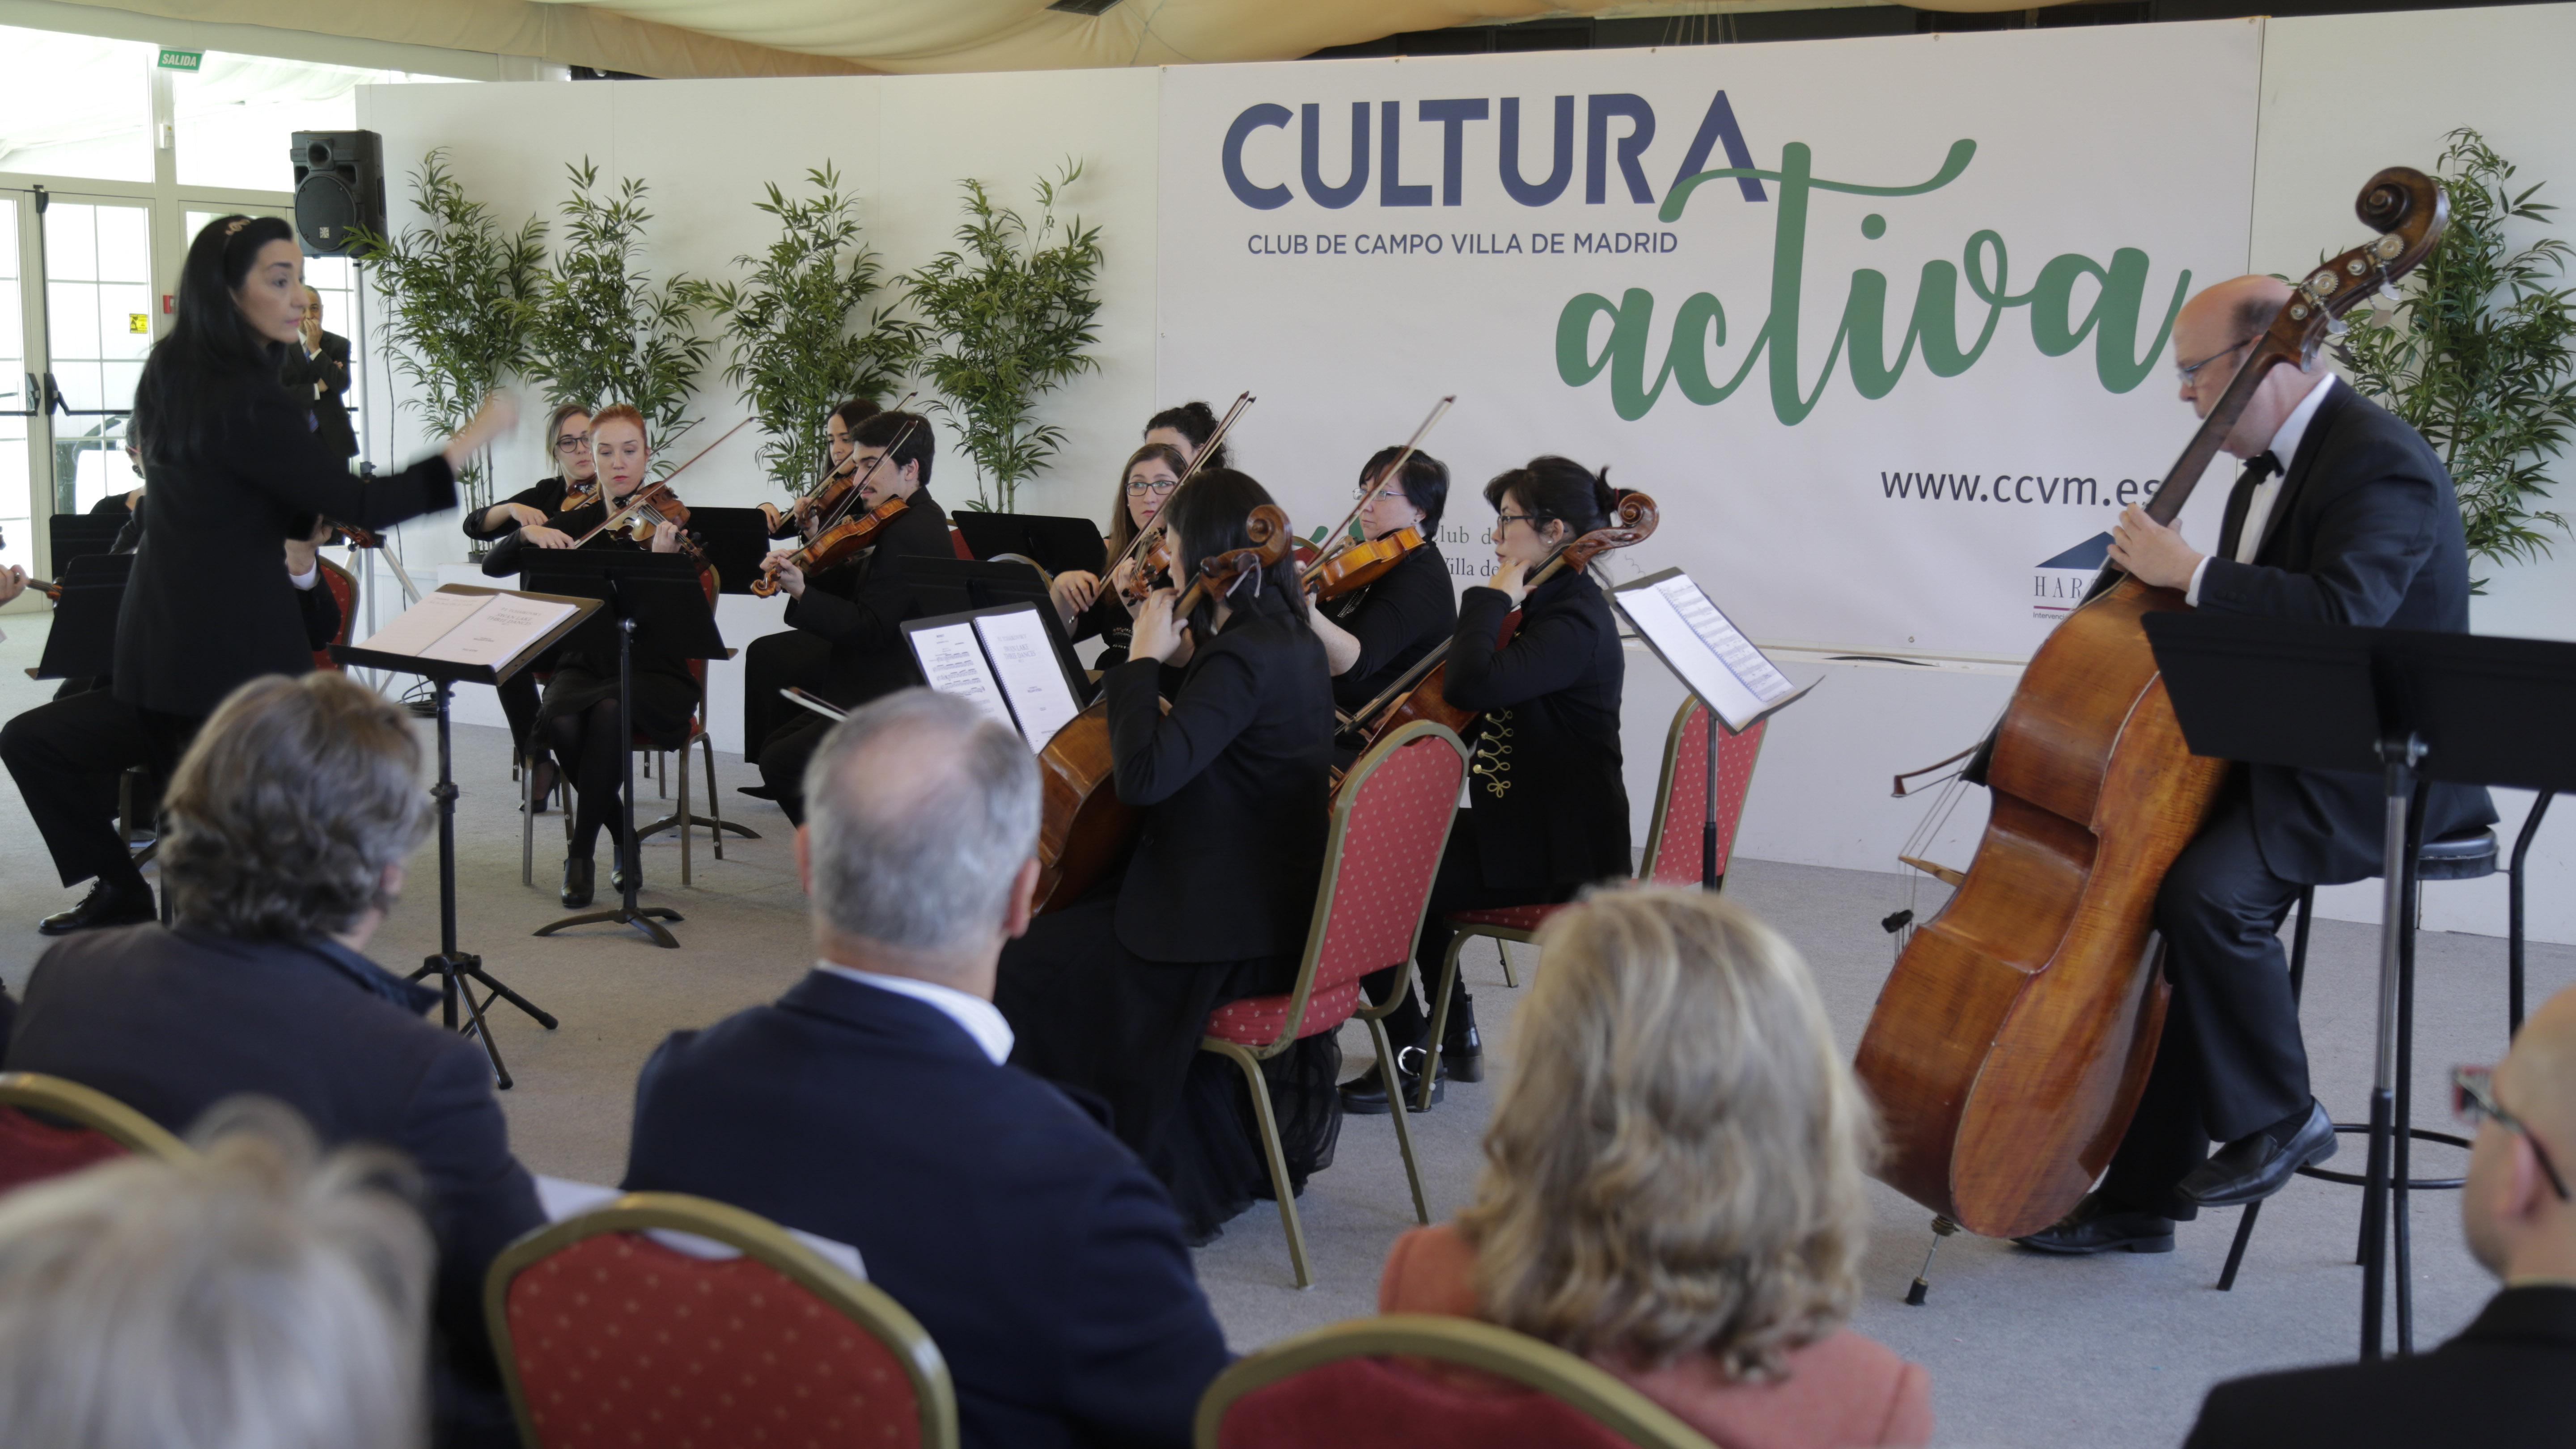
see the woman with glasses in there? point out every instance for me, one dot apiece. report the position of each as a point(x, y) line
point(568, 436)
point(1088, 609)
point(1547, 810)
point(1373, 634)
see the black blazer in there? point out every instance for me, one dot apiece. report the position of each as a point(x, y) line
point(171, 1022)
point(1550, 808)
point(2502, 1384)
point(1044, 1260)
point(1397, 620)
point(546, 494)
point(208, 606)
point(1108, 620)
point(860, 606)
point(321, 385)
point(2366, 531)
point(1235, 784)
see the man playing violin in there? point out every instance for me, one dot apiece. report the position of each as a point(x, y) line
point(797, 519)
point(1372, 634)
point(795, 656)
point(857, 608)
point(2342, 515)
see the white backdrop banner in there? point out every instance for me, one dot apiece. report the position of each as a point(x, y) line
point(1883, 325)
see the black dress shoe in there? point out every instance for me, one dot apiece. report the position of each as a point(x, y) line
point(103, 906)
point(1365, 1094)
point(1462, 1050)
point(2253, 1168)
point(757, 792)
point(617, 878)
point(2097, 1227)
point(576, 883)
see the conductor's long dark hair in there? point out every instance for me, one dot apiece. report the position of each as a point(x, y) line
point(1208, 516)
point(211, 363)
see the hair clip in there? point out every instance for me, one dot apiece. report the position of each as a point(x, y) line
point(237, 224)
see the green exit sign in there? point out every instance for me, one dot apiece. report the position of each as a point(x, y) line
point(182, 59)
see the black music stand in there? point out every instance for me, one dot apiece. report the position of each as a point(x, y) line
point(1051, 542)
point(2414, 707)
point(943, 586)
point(82, 642)
point(78, 535)
point(657, 596)
point(734, 540)
point(457, 971)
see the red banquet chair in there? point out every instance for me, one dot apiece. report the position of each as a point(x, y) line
point(1390, 822)
point(1672, 849)
point(1421, 1381)
point(609, 1338)
point(344, 590)
point(50, 1127)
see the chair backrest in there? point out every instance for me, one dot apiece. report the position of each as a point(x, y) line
point(1681, 797)
point(99, 1127)
point(1391, 821)
point(608, 1338)
point(957, 545)
point(344, 589)
point(1362, 1385)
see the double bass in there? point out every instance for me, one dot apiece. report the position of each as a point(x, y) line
point(2009, 1046)
point(1083, 827)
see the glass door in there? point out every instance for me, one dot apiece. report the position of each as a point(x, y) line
point(98, 325)
point(19, 391)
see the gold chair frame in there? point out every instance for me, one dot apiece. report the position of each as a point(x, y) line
point(1585, 1387)
point(1250, 1058)
point(96, 1110)
point(754, 1237)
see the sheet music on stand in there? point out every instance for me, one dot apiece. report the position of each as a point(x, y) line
point(1002, 661)
point(1700, 644)
point(494, 629)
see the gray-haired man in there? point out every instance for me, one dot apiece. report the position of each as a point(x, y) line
point(871, 1104)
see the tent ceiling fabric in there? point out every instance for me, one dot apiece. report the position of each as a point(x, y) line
point(855, 37)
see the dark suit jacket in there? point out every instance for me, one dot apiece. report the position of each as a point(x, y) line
point(860, 606)
point(1235, 783)
point(2504, 1383)
point(321, 384)
point(2365, 531)
point(209, 606)
point(170, 1022)
point(1550, 806)
point(1041, 1256)
point(1397, 620)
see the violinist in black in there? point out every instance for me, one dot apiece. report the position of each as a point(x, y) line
point(568, 436)
point(1374, 633)
point(796, 656)
point(1090, 610)
point(578, 718)
point(857, 609)
point(1111, 993)
point(1546, 811)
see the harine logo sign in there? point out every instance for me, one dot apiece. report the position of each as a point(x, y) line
point(1795, 292)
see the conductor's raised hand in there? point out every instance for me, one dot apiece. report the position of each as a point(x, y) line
point(498, 416)
point(781, 565)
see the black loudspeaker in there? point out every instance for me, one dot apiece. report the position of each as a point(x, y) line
point(339, 184)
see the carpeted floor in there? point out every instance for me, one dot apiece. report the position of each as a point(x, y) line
point(2023, 1350)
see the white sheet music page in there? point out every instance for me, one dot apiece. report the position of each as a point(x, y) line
point(498, 632)
point(422, 625)
point(953, 662)
point(1704, 647)
point(1034, 683)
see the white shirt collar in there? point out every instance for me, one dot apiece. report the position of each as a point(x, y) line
point(2284, 446)
point(980, 1018)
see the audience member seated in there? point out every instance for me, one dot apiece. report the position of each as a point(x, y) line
point(256, 1296)
point(870, 1105)
point(287, 825)
point(2504, 1382)
point(1673, 1183)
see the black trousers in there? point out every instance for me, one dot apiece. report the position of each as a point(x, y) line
point(2231, 1061)
point(783, 756)
point(773, 662)
point(67, 757)
point(1459, 886)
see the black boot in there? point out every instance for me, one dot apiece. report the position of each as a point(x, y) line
point(576, 881)
point(105, 905)
point(617, 877)
point(1462, 1050)
point(1365, 1095)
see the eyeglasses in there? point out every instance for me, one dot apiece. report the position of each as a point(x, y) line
point(2473, 1098)
point(1506, 520)
point(1388, 494)
point(572, 442)
point(2188, 371)
point(1139, 487)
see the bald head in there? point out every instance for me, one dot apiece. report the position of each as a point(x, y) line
point(2214, 334)
point(2517, 1223)
point(2538, 1078)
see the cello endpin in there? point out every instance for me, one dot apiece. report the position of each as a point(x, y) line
point(1942, 1227)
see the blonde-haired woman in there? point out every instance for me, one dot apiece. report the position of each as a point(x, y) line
point(1673, 1183)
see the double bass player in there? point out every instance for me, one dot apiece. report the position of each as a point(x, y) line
point(2343, 514)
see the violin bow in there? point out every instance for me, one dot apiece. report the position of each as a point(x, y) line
point(1340, 537)
point(1215, 440)
point(850, 499)
point(637, 500)
point(905, 405)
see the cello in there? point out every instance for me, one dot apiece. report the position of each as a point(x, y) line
point(2011, 1043)
point(1083, 827)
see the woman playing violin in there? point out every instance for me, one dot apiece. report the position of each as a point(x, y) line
point(795, 656)
point(1185, 430)
point(1111, 993)
point(1372, 634)
point(1088, 609)
point(568, 437)
point(1547, 810)
point(856, 610)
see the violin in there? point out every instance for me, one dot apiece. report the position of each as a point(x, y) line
point(1083, 827)
point(1361, 564)
point(1146, 549)
point(2011, 1043)
point(837, 544)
